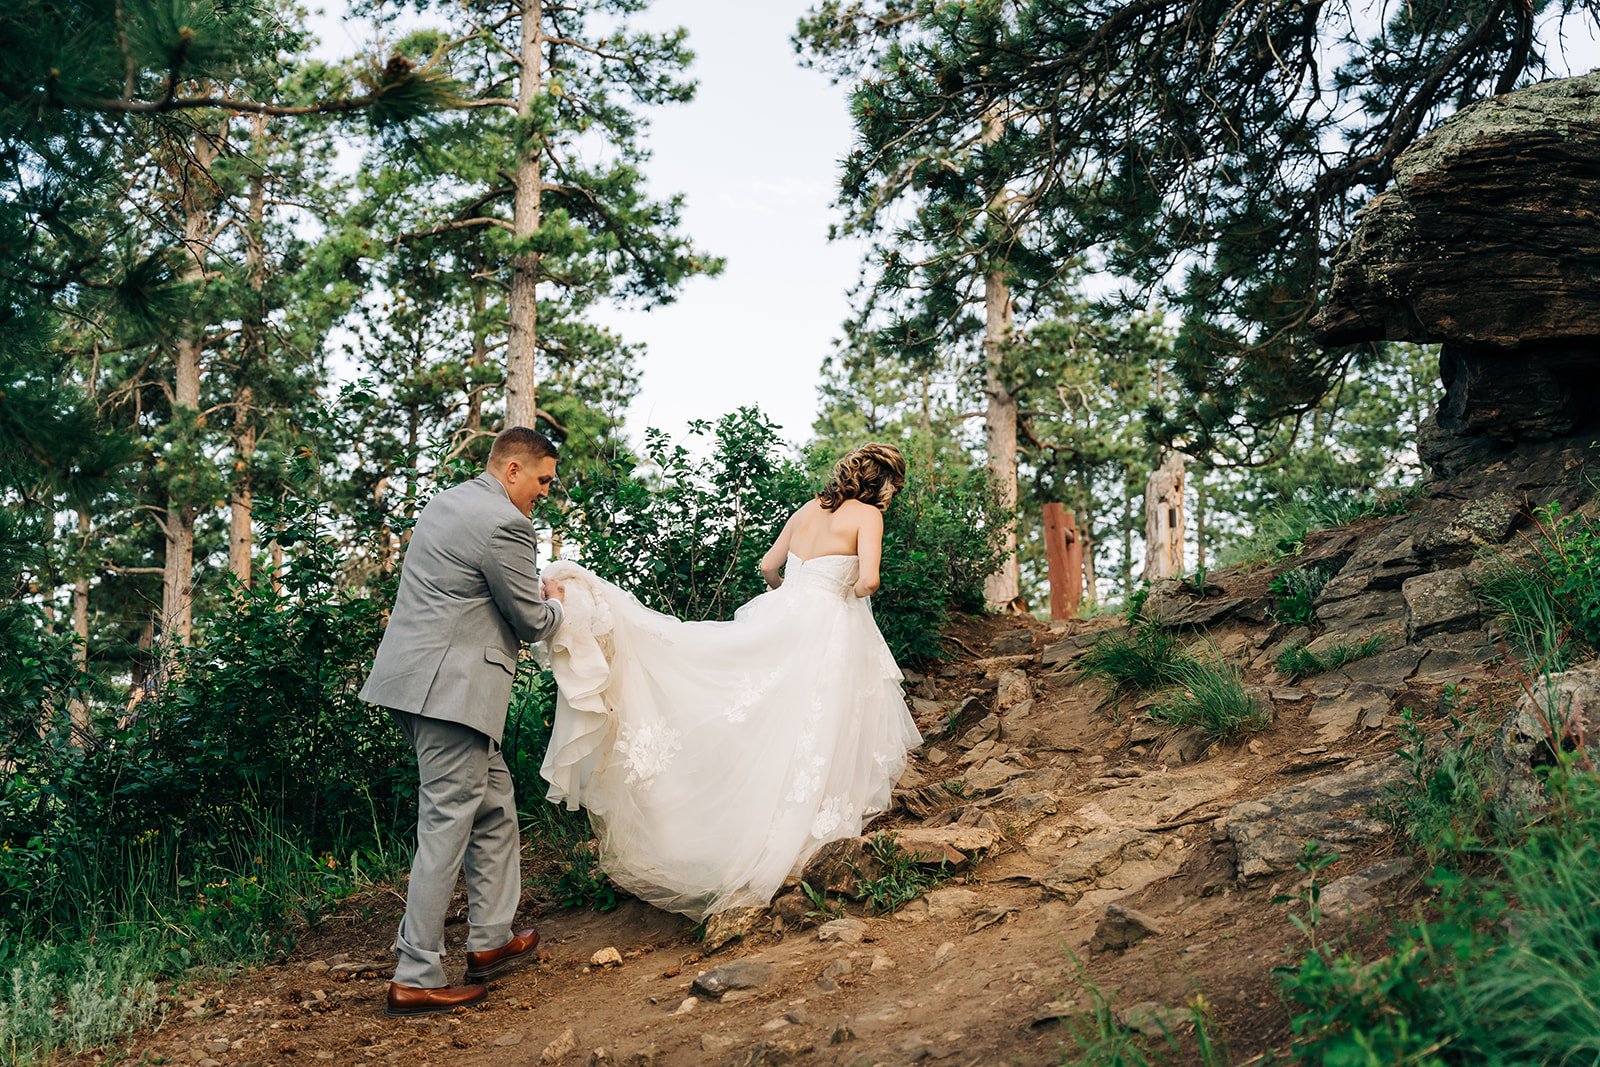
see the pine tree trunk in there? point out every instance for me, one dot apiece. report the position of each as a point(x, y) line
point(1091, 594)
point(522, 338)
point(193, 176)
point(1163, 519)
point(1200, 519)
point(1000, 430)
point(177, 580)
point(241, 521)
point(80, 627)
point(1000, 415)
point(252, 349)
point(480, 356)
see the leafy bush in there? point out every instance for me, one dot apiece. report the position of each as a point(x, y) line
point(942, 536)
point(1212, 696)
point(1142, 658)
point(576, 880)
point(1295, 592)
point(1298, 661)
point(226, 808)
point(686, 535)
point(1549, 594)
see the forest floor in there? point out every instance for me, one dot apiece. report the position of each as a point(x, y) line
point(1069, 800)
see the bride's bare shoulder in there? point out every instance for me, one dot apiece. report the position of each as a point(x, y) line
point(860, 512)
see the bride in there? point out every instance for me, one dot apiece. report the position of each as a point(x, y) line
point(715, 757)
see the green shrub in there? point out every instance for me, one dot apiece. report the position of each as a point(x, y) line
point(1295, 592)
point(1298, 661)
point(1445, 808)
point(942, 536)
point(1140, 659)
point(1135, 605)
point(1212, 696)
point(1549, 594)
point(74, 997)
point(686, 535)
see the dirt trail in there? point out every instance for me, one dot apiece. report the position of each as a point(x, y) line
point(1068, 803)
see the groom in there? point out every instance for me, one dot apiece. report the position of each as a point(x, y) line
point(469, 594)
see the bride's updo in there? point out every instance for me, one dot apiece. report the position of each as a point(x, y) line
point(872, 474)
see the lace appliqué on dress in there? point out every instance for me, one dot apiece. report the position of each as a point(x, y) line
point(807, 780)
point(747, 695)
point(836, 813)
point(647, 749)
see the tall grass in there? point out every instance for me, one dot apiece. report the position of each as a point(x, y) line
point(1547, 595)
point(1298, 661)
point(1281, 532)
point(1504, 967)
point(1140, 659)
point(1211, 695)
point(79, 975)
point(1099, 1039)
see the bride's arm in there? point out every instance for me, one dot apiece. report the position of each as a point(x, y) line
point(869, 549)
point(772, 562)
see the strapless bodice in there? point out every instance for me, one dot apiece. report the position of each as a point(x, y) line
point(835, 574)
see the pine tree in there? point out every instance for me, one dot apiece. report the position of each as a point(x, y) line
point(1208, 148)
point(537, 209)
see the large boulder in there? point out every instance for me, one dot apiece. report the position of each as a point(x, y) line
point(1486, 241)
point(1486, 238)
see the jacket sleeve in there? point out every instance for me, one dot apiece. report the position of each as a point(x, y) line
point(510, 568)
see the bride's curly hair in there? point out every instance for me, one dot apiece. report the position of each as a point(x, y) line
point(872, 474)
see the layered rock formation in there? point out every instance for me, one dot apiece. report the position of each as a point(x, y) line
point(1488, 243)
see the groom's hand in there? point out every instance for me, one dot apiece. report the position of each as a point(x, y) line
point(554, 590)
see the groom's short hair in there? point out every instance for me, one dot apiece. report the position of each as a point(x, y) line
point(520, 443)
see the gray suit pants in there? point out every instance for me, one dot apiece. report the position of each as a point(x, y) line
point(465, 811)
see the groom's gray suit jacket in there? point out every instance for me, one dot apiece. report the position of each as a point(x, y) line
point(469, 592)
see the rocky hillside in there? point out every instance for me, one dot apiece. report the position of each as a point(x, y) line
point(1092, 852)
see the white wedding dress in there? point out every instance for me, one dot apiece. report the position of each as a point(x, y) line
point(714, 757)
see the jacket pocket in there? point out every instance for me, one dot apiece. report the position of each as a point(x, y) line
point(500, 659)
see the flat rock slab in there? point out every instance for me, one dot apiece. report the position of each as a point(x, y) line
point(1354, 892)
point(741, 974)
point(1362, 704)
point(944, 844)
point(1156, 799)
point(1334, 810)
point(849, 931)
point(1096, 857)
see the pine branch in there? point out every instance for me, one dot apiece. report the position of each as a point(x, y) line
point(458, 224)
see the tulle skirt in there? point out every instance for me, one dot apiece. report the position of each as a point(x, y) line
point(715, 757)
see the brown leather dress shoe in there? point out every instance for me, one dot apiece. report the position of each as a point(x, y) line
point(519, 949)
point(409, 1000)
